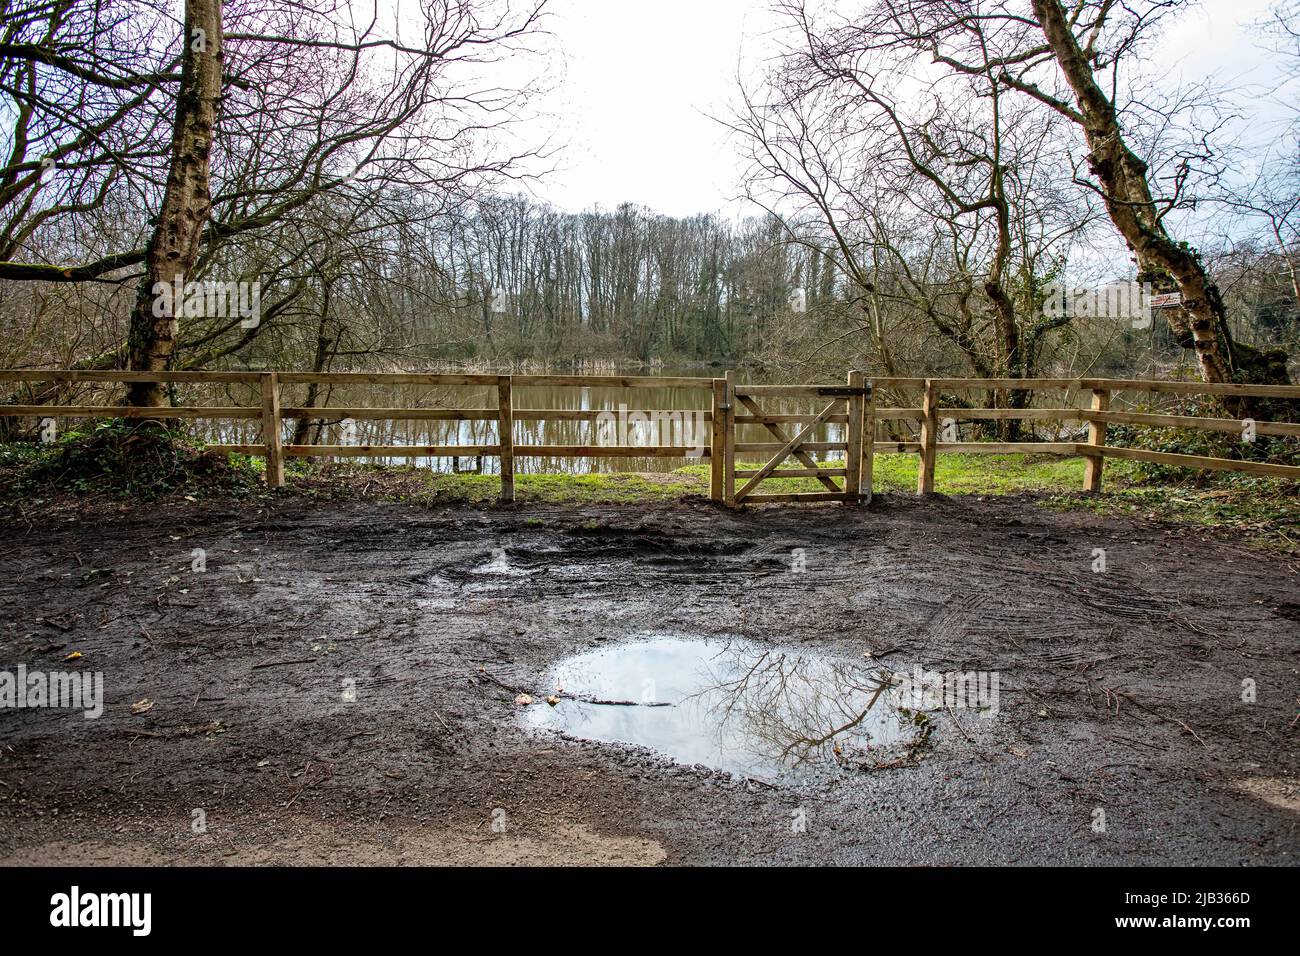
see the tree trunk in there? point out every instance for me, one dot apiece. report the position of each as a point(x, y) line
point(174, 246)
point(325, 346)
point(1201, 322)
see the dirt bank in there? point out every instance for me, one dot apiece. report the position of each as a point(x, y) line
point(338, 685)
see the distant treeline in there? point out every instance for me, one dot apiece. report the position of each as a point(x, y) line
point(338, 201)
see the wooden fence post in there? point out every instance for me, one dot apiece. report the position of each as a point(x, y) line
point(718, 441)
point(929, 435)
point(506, 435)
point(729, 439)
point(868, 443)
point(271, 428)
point(853, 441)
point(1094, 463)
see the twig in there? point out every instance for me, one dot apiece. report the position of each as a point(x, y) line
point(617, 703)
point(957, 724)
point(301, 660)
point(1156, 713)
point(303, 789)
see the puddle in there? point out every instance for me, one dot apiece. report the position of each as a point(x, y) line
point(496, 575)
point(437, 584)
point(733, 705)
point(499, 565)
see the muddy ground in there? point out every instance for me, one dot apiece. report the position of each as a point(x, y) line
point(1121, 691)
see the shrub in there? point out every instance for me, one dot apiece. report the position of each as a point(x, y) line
point(125, 458)
point(1187, 441)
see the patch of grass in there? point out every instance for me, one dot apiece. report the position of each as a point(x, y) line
point(954, 474)
point(120, 460)
point(963, 474)
point(607, 488)
point(421, 486)
point(1265, 511)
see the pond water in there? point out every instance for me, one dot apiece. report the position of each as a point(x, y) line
point(687, 429)
point(733, 705)
point(626, 407)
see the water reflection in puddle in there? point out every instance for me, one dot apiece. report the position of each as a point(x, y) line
point(733, 705)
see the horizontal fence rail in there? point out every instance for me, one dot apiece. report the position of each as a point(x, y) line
point(789, 434)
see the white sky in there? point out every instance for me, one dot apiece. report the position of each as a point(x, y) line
point(640, 80)
point(633, 107)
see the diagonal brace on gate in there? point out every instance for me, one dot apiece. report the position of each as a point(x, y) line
point(791, 446)
point(777, 432)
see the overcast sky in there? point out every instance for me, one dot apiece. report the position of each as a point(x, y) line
point(632, 104)
point(633, 107)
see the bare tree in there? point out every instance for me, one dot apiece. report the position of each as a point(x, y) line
point(1080, 67)
point(1073, 62)
point(933, 191)
point(312, 105)
point(178, 227)
point(87, 89)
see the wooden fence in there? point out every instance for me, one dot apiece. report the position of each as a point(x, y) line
point(731, 405)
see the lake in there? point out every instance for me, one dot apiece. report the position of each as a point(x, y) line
point(630, 421)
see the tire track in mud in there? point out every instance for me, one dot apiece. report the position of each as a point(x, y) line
point(435, 615)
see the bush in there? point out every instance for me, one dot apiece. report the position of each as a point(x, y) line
point(1187, 441)
point(124, 458)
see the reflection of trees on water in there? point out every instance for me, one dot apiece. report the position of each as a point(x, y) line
point(791, 708)
point(684, 425)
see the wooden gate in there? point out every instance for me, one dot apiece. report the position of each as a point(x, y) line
point(739, 406)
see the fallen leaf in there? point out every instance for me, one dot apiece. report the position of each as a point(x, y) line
point(523, 700)
point(73, 656)
point(552, 701)
point(140, 706)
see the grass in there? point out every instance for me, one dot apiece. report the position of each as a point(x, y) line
point(421, 486)
point(1266, 512)
point(954, 474)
